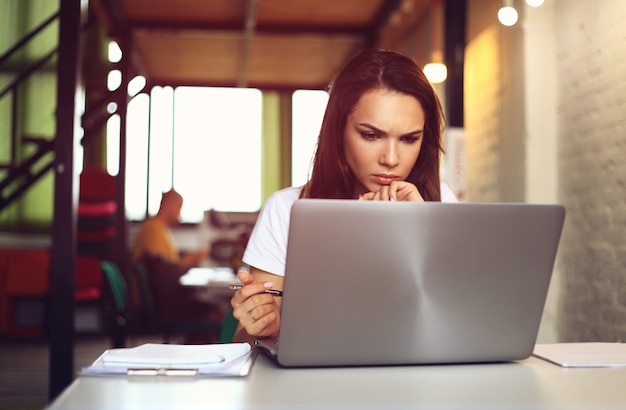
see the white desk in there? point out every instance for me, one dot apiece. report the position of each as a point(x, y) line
point(529, 384)
point(210, 284)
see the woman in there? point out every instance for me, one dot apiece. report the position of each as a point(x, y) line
point(380, 140)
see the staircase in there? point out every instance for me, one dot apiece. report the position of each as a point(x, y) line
point(34, 96)
point(28, 157)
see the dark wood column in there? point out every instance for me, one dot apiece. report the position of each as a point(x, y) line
point(63, 250)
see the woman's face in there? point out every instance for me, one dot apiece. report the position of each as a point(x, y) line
point(383, 138)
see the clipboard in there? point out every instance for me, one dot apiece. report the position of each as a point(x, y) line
point(153, 359)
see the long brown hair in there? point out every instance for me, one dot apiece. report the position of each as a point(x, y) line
point(331, 177)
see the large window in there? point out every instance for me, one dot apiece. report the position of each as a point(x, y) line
point(217, 146)
point(204, 142)
point(308, 111)
point(137, 157)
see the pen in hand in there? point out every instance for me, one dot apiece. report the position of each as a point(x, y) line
point(270, 291)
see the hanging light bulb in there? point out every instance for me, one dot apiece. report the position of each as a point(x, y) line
point(436, 71)
point(507, 15)
point(534, 3)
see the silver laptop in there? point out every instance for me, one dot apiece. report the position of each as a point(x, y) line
point(386, 283)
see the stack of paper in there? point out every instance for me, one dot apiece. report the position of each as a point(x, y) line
point(591, 354)
point(232, 359)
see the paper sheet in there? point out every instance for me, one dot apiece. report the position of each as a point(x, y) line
point(232, 359)
point(591, 354)
point(208, 276)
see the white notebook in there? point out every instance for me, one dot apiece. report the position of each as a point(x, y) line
point(152, 359)
point(583, 354)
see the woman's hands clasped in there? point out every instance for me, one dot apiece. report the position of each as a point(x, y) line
point(396, 191)
point(258, 312)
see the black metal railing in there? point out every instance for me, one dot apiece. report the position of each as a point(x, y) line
point(20, 171)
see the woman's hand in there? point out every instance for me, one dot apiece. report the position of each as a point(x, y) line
point(258, 312)
point(396, 191)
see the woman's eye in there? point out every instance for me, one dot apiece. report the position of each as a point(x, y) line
point(410, 140)
point(369, 135)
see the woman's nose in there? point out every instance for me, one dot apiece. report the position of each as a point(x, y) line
point(389, 156)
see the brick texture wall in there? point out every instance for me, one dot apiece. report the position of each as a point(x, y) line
point(584, 59)
point(591, 67)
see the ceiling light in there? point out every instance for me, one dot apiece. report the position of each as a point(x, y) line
point(507, 15)
point(436, 72)
point(534, 3)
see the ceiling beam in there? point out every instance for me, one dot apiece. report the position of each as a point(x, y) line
point(238, 26)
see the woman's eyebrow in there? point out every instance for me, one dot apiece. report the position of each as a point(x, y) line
point(378, 130)
point(370, 126)
point(415, 133)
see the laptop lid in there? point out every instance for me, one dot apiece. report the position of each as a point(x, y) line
point(377, 283)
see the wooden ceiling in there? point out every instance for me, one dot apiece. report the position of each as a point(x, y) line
point(267, 44)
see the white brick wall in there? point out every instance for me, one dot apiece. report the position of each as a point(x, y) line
point(591, 62)
point(576, 141)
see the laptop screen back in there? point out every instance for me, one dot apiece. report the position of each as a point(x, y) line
point(372, 283)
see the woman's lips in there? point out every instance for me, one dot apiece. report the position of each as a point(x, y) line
point(384, 179)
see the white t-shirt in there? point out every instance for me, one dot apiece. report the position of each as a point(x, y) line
point(267, 247)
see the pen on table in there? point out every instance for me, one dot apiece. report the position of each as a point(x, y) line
point(162, 372)
point(270, 291)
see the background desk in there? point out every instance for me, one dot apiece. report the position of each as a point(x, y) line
point(529, 384)
point(210, 284)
